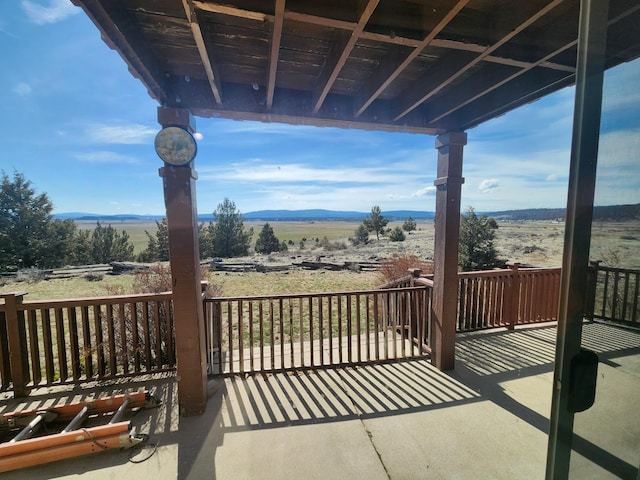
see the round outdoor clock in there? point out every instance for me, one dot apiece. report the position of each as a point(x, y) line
point(175, 146)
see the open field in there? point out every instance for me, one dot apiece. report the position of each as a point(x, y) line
point(530, 243)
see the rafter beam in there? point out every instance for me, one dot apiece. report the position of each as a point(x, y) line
point(371, 36)
point(276, 35)
point(231, 11)
point(383, 79)
point(336, 61)
point(407, 105)
point(442, 107)
point(214, 82)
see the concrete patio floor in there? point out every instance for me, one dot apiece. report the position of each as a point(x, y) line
point(487, 419)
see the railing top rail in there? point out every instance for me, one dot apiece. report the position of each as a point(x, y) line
point(507, 272)
point(312, 295)
point(393, 283)
point(604, 268)
point(89, 301)
point(427, 282)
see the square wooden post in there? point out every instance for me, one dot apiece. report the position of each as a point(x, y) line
point(511, 299)
point(17, 343)
point(447, 231)
point(184, 253)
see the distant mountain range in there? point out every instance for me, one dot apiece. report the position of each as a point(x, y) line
point(611, 213)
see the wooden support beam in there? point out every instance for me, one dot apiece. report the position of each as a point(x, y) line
point(337, 59)
point(276, 35)
point(184, 254)
point(592, 46)
point(447, 228)
point(192, 18)
point(17, 343)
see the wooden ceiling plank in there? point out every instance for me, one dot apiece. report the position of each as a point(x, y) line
point(372, 36)
point(409, 106)
point(276, 37)
point(214, 81)
point(448, 99)
point(544, 61)
point(492, 108)
point(379, 83)
point(320, 21)
point(335, 63)
point(231, 11)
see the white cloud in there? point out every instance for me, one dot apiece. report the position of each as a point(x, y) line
point(122, 134)
point(252, 171)
point(430, 190)
point(55, 11)
point(23, 89)
point(488, 184)
point(104, 156)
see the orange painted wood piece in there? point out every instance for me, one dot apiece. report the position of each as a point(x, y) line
point(67, 412)
point(37, 451)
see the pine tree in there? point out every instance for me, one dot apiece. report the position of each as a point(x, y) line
point(375, 221)
point(226, 234)
point(267, 242)
point(476, 248)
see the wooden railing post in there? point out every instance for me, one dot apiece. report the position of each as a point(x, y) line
point(592, 283)
point(512, 296)
point(415, 273)
point(17, 340)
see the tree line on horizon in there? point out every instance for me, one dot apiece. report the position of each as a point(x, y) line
point(31, 237)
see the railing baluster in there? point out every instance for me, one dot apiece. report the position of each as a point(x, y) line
point(311, 346)
point(321, 328)
point(251, 335)
point(62, 345)
point(340, 331)
point(147, 337)
point(634, 317)
point(230, 342)
point(74, 343)
point(301, 331)
point(349, 334)
point(272, 320)
point(34, 346)
point(330, 329)
point(291, 334)
point(271, 340)
point(122, 317)
point(240, 336)
point(281, 321)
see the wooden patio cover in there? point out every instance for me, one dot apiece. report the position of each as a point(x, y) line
point(422, 66)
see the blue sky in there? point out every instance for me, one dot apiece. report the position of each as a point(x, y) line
point(81, 128)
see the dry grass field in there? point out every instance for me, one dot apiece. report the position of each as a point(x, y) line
point(530, 243)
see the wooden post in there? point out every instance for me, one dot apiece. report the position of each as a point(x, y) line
point(592, 46)
point(512, 297)
point(182, 224)
point(17, 342)
point(447, 228)
point(592, 285)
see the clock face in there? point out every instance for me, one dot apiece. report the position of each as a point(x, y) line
point(175, 146)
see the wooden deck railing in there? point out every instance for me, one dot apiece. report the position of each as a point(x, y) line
point(257, 334)
point(499, 298)
point(614, 294)
point(53, 342)
point(67, 341)
point(509, 297)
